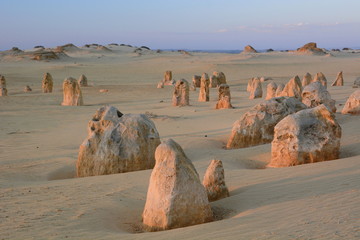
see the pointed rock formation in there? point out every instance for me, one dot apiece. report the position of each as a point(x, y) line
point(352, 105)
point(279, 89)
point(47, 83)
point(72, 93)
point(339, 81)
point(214, 181)
point(175, 198)
point(316, 94)
point(256, 126)
point(271, 90)
point(256, 89)
point(181, 93)
point(293, 88)
point(307, 79)
point(249, 49)
point(83, 82)
point(204, 88)
point(308, 136)
point(224, 97)
point(117, 143)
point(321, 78)
point(196, 80)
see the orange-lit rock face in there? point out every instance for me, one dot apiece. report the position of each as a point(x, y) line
point(321, 78)
point(271, 90)
point(307, 79)
point(117, 143)
point(224, 97)
point(175, 198)
point(339, 81)
point(204, 88)
point(316, 94)
point(168, 78)
point(72, 93)
point(293, 88)
point(279, 89)
point(352, 105)
point(308, 136)
point(47, 83)
point(214, 181)
point(255, 89)
point(181, 93)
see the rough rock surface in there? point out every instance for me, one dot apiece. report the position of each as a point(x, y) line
point(352, 105)
point(175, 198)
point(72, 93)
point(339, 81)
point(293, 88)
point(214, 181)
point(117, 143)
point(256, 89)
point(221, 77)
point(279, 89)
point(316, 94)
point(256, 126)
point(213, 81)
point(47, 83)
point(181, 93)
point(249, 49)
point(224, 97)
point(196, 80)
point(204, 88)
point(83, 82)
point(168, 78)
point(307, 79)
point(2, 81)
point(311, 48)
point(271, 90)
point(308, 136)
point(321, 78)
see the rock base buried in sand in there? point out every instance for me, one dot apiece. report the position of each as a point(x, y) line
point(117, 143)
point(352, 105)
point(224, 97)
point(3, 92)
point(214, 181)
point(181, 93)
point(204, 88)
point(255, 89)
point(175, 198)
point(47, 83)
point(308, 136)
point(83, 82)
point(72, 93)
point(2, 81)
point(271, 90)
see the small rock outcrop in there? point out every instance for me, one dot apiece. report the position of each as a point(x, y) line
point(214, 181)
point(352, 105)
point(175, 198)
point(196, 80)
point(308, 136)
point(271, 90)
point(357, 83)
point(249, 49)
point(316, 94)
point(83, 82)
point(224, 97)
point(2, 81)
point(256, 126)
point(168, 78)
point(339, 81)
point(213, 81)
point(307, 79)
point(311, 48)
point(256, 89)
point(181, 93)
point(293, 88)
point(47, 83)
point(72, 93)
point(204, 88)
point(117, 143)
point(27, 88)
point(279, 89)
point(321, 78)
point(221, 77)
point(3, 92)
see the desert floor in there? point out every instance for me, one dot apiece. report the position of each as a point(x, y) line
point(40, 197)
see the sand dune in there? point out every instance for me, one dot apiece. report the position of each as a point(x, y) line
point(39, 142)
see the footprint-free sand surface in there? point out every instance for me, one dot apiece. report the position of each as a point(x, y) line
point(40, 197)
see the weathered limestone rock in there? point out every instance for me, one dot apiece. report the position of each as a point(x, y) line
point(249, 49)
point(204, 88)
point(339, 81)
point(356, 83)
point(175, 198)
point(308, 136)
point(279, 89)
point(321, 78)
point(214, 181)
point(250, 84)
point(181, 93)
point(168, 78)
point(256, 126)
point(293, 88)
point(160, 84)
point(256, 90)
point(3, 92)
point(83, 82)
point(72, 93)
point(271, 90)
point(224, 99)
point(316, 94)
point(196, 80)
point(213, 81)
point(2, 81)
point(47, 83)
point(307, 79)
point(117, 143)
point(27, 88)
point(352, 105)
point(311, 48)
point(221, 77)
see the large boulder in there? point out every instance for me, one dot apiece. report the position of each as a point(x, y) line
point(339, 81)
point(175, 198)
point(320, 77)
point(316, 94)
point(293, 88)
point(224, 97)
point(311, 48)
point(214, 181)
point(307, 79)
point(308, 136)
point(204, 88)
point(181, 93)
point(256, 126)
point(256, 89)
point(271, 90)
point(47, 83)
point(352, 105)
point(117, 143)
point(72, 93)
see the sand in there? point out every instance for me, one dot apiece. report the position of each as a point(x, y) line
point(40, 198)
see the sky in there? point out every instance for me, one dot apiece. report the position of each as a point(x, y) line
point(181, 24)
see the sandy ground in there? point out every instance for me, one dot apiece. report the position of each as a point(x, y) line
point(41, 199)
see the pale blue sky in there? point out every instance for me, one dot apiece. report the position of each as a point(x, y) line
point(189, 24)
